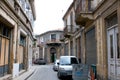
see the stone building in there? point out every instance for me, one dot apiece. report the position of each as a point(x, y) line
point(49, 46)
point(16, 35)
point(71, 33)
point(100, 38)
point(99, 23)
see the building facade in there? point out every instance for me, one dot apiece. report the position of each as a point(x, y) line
point(72, 34)
point(16, 35)
point(49, 46)
point(98, 31)
point(100, 38)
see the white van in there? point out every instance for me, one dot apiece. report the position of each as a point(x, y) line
point(65, 66)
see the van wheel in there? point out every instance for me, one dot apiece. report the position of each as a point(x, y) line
point(59, 76)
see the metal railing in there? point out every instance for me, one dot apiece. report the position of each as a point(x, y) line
point(53, 41)
point(68, 30)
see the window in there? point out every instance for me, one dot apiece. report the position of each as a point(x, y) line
point(22, 40)
point(74, 61)
point(66, 49)
point(111, 46)
point(41, 39)
point(65, 23)
point(71, 16)
point(71, 48)
point(53, 36)
point(64, 61)
point(111, 21)
point(118, 53)
point(4, 30)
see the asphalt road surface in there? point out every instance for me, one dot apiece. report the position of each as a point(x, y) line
point(44, 72)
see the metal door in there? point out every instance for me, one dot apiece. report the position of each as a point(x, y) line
point(113, 54)
point(91, 56)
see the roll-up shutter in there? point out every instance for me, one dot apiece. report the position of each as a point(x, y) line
point(91, 55)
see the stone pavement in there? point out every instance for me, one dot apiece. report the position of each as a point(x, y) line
point(7, 77)
point(26, 74)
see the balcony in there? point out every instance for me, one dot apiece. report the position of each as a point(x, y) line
point(53, 42)
point(40, 44)
point(18, 11)
point(68, 31)
point(62, 38)
point(84, 10)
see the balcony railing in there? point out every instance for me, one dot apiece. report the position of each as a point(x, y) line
point(68, 31)
point(83, 11)
point(40, 44)
point(53, 41)
point(84, 6)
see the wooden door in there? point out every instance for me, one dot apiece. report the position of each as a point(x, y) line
point(4, 55)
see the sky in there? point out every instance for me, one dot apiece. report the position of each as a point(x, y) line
point(49, 14)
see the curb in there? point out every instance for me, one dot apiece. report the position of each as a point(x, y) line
point(30, 75)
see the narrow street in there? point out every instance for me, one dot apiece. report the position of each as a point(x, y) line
point(44, 72)
point(79, 38)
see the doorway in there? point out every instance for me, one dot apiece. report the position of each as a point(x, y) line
point(5, 36)
point(53, 54)
point(113, 54)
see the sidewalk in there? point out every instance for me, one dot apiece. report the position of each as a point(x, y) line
point(26, 74)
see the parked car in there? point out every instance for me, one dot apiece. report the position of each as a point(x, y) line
point(40, 61)
point(55, 66)
point(65, 66)
point(36, 61)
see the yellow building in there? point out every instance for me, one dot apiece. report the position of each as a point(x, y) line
point(49, 46)
point(71, 33)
